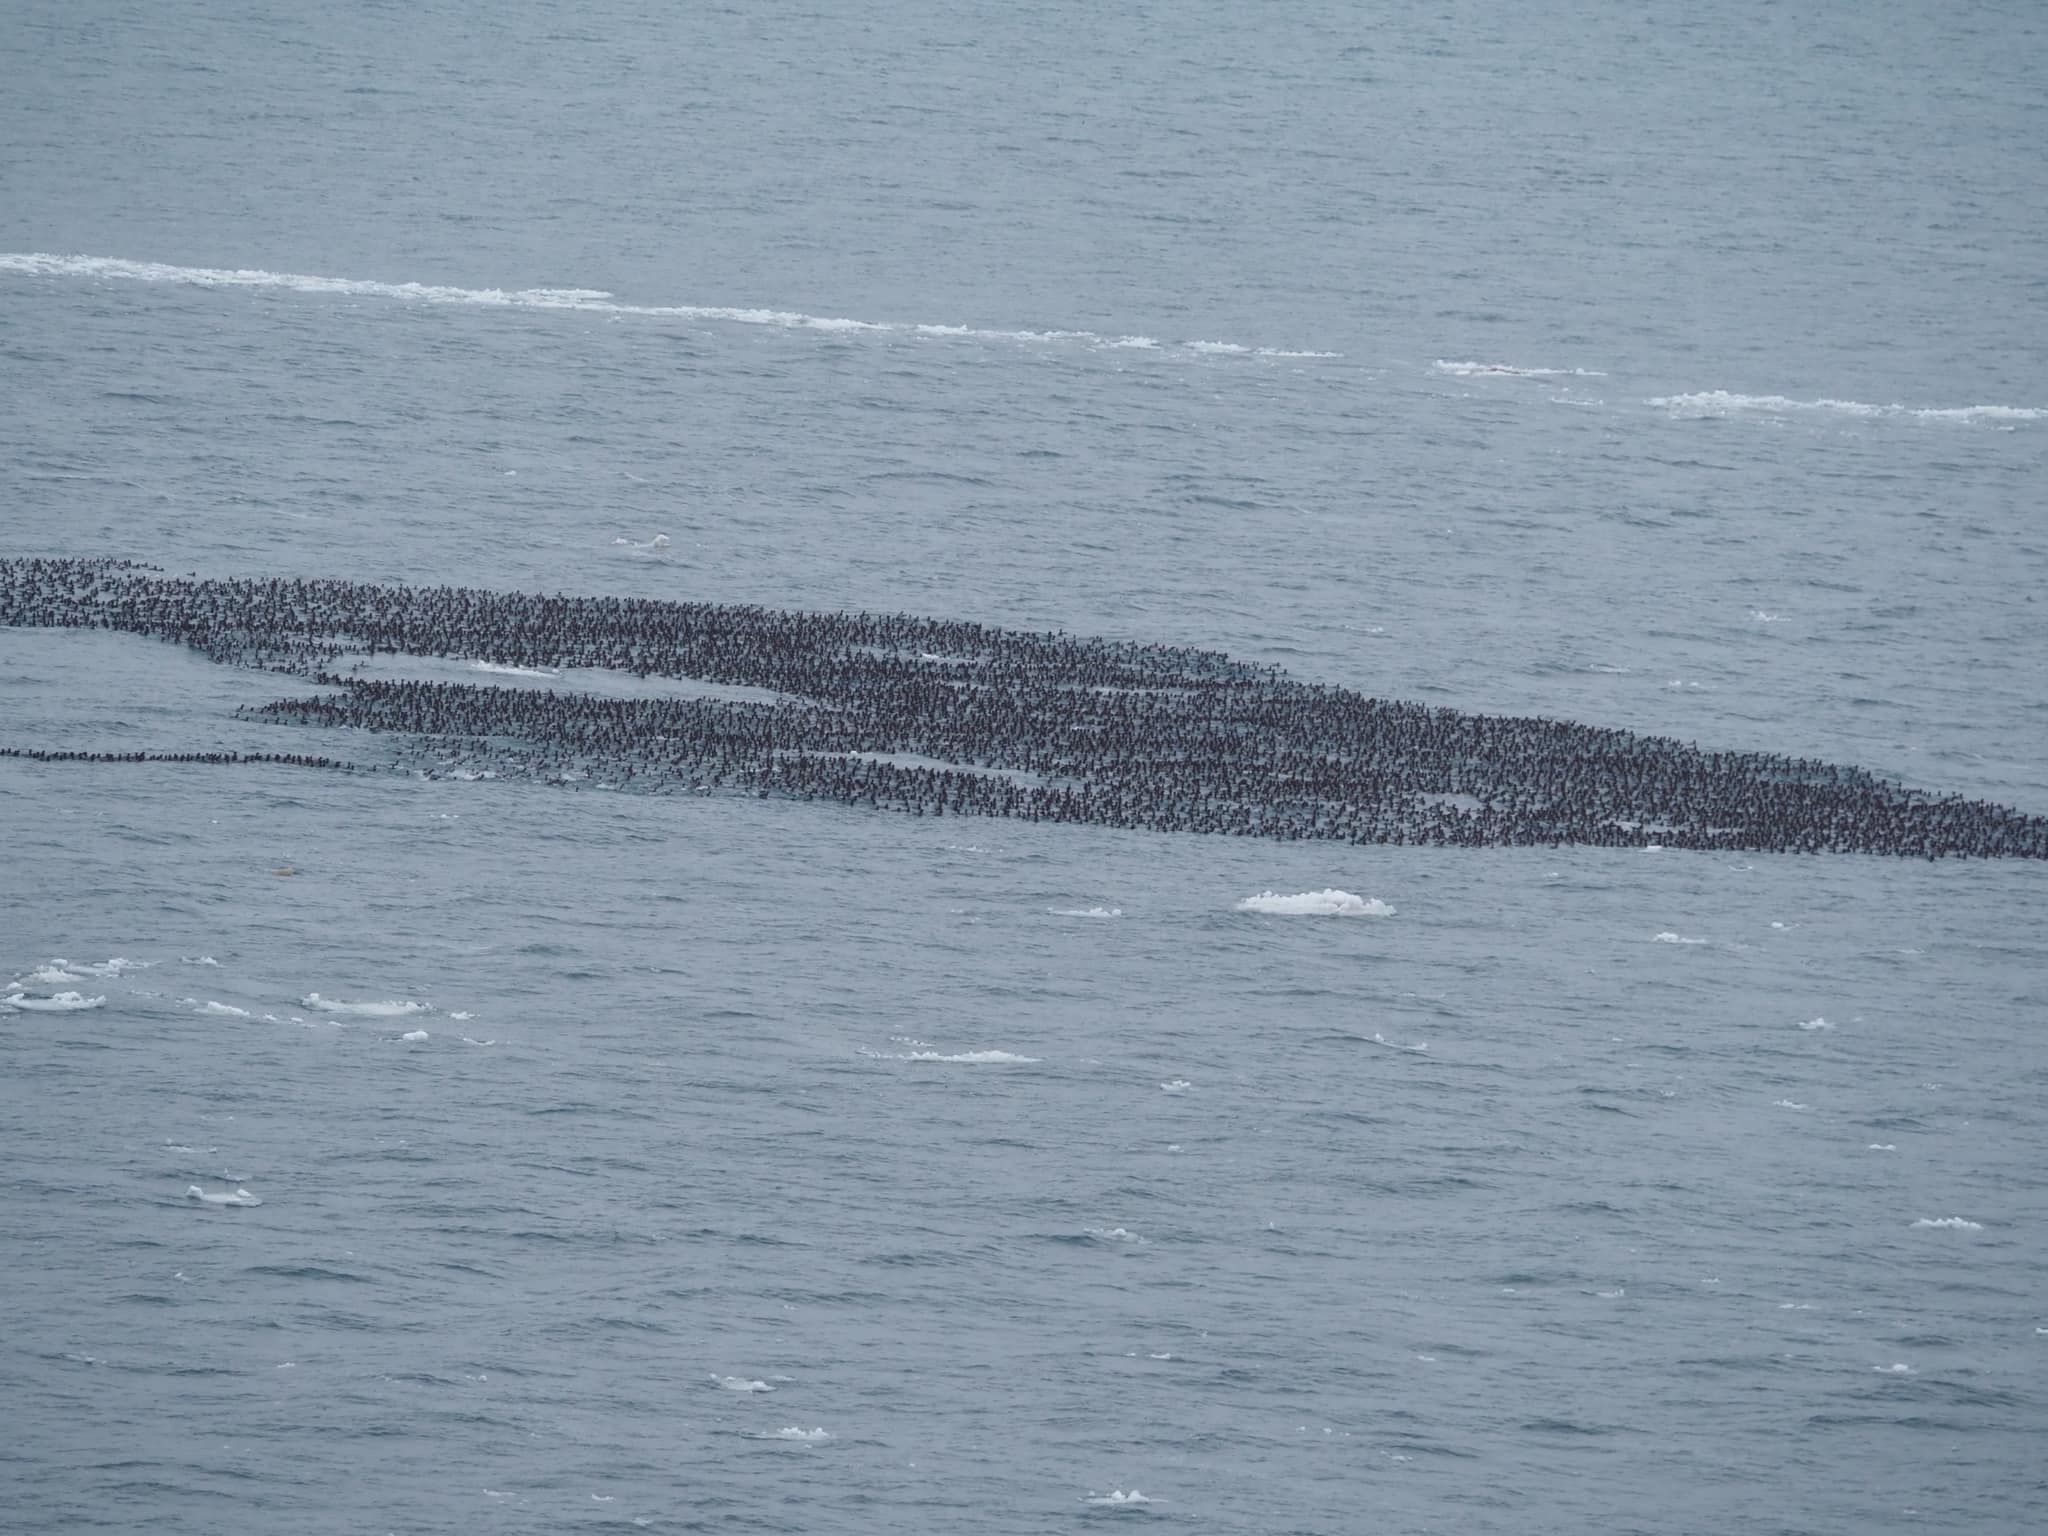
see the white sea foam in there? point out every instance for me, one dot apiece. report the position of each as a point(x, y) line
point(1896, 1368)
point(659, 541)
point(1722, 402)
point(1883, 1146)
point(1419, 1047)
point(1471, 370)
point(1951, 1223)
point(577, 300)
point(1116, 1498)
point(236, 1196)
point(62, 1002)
point(1788, 1104)
point(969, 1057)
point(1115, 1234)
point(1668, 937)
point(800, 1435)
point(225, 1011)
point(1324, 903)
point(200, 960)
point(1815, 1023)
point(416, 1036)
point(1176, 1085)
point(390, 1008)
point(741, 1383)
point(1086, 911)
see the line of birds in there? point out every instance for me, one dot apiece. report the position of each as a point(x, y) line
point(944, 718)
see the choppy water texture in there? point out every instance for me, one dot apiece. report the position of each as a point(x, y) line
point(570, 1158)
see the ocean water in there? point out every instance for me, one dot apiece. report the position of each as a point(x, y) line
point(730, 1164)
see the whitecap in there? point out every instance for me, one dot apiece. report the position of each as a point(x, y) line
point(1787, 1104)
point(1668, 937)
point(567, 299)
point(1175, 1085)
point(1952, 1223)
point(1882, 1146)
point(1115, 1234)
point(1328, 902)
point(971, 1057)
point(1470, 370)
point(741, 1383)
point(1116, 1498)
point(1896, 1368)
point(237, 1196)
point(1723, 402)
point(391, 1008)
point(1815, 1023)
point(225, 1011)
point(62, 1002)
point(800, 1435)
point(1085, 911)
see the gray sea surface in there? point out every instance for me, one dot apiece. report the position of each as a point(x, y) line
point(744, 1165)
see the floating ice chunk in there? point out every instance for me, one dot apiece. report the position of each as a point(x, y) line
point(416, 1036)
point(237, 1196)
point(225, 1011)
point(62, 1002)
point(390, 1008)
point(1324, 903)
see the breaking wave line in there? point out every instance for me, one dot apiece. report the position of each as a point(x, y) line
point(594, 301)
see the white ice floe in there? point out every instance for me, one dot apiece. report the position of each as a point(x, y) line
point(62, 1002)
point(237, 1196)
point(1116, 1498)
point(1478, 370)
point(225, 1011)
point(1323, 903)
point(415, 1036)
point(390, 1008)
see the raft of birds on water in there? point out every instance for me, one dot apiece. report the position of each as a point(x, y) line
point(932, 717)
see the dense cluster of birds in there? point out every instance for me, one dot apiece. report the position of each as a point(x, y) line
point(939, 718)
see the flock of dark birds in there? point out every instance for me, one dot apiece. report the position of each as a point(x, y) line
point(938, 718)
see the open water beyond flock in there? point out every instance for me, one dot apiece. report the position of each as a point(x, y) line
point(445, 1150)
